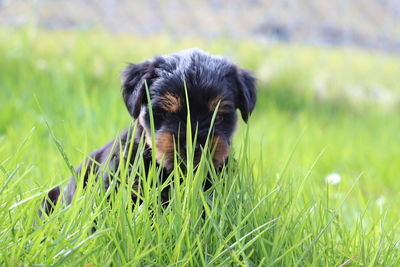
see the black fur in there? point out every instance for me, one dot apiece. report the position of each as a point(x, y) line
point(208, 80)
point(133, 87)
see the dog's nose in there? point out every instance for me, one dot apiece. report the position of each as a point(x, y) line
point(196, 147)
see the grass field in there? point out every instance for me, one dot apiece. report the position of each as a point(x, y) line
point(319, 111)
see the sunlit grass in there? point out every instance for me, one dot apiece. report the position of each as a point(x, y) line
point(271, 206)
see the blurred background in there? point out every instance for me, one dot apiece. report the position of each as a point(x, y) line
point(328, 82)
point(373, 24)
point(323, 141)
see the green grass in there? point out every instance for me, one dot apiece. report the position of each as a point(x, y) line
point(272, 208)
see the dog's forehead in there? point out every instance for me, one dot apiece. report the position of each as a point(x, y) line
point(203, 75)
point(207, 80)
point(190, 62)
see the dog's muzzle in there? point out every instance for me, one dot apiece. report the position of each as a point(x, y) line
point(166, 146)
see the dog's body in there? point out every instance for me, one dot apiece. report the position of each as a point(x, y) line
point(210, 84)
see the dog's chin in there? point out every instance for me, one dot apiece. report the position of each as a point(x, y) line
point(220, 151)
point(165, 151)
point(168, 164)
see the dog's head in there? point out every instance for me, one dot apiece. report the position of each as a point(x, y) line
point(210, 81)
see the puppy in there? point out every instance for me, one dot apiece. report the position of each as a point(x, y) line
point(210, 82)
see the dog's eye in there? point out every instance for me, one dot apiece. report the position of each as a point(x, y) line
point(158, 115)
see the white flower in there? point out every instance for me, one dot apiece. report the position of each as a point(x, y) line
point(333, 178)
point(381, 201)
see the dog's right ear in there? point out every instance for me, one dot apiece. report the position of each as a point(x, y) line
point(246, 99)
point(133, 87)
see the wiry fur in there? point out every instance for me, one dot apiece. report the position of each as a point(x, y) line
point(211, 81)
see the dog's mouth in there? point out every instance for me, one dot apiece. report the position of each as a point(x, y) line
point(165, 145)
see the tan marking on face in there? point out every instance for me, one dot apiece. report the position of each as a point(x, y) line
point(164, 144)
point(221, 151)
point(165, 150)
point(223, 106)
point(170, 102)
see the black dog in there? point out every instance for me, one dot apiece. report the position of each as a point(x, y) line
point(210, 81)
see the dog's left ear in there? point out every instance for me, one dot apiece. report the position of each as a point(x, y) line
point(246, 95)
point(134, 78)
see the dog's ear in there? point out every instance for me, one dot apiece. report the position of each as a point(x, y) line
point(246, 94)
point(134, 78)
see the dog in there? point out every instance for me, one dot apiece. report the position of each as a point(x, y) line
point(191, 76)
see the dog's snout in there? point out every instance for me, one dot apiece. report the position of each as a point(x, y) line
point(197, 144)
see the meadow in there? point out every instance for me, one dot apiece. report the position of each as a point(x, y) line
point(320, 111)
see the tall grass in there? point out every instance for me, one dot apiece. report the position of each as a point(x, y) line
point(271, 206)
